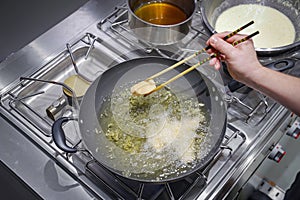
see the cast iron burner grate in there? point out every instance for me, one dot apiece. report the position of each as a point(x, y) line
point(24, 110)
point(187, 187)
point(130, 189)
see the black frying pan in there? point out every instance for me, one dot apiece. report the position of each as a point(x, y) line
point(194, 84)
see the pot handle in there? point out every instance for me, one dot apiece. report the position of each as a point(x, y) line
point(59, 137)
point(279, 65)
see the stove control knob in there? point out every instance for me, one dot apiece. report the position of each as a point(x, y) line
point(294, 129)
point(277, 153)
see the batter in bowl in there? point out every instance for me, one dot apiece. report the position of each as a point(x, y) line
point(275, 28)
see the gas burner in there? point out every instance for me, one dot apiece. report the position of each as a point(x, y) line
point(35, 96)
point(44, 95)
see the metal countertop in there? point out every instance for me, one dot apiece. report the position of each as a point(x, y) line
point(32, 164)
point(27, 161)
point(46, 46)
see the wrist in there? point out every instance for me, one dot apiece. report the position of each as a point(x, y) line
point(255, 76)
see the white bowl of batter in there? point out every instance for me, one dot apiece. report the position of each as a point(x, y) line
point(277, 21)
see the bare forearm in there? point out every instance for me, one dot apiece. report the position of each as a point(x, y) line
point(283, 88)
point(244, 66)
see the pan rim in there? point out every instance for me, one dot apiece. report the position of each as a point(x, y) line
point(199, 166)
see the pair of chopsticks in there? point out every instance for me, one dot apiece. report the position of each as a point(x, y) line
point(202, 61)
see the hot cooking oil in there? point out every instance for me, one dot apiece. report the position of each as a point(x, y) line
point(161, 13)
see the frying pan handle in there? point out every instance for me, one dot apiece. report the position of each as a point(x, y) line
point(279, 65)
point(59, 137)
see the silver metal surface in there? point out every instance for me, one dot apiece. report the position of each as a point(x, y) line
point(157, 33)
point(99, 38)
point(44, 48)
point(39, 170)
point(22, 150)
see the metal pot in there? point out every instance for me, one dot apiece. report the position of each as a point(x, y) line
point(160, 34)
point(211, 9)
point(95, 140)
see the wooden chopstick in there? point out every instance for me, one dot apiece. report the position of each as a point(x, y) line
point(201, 62)
point(198, 52)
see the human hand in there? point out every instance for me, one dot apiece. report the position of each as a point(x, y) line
point(241, 60)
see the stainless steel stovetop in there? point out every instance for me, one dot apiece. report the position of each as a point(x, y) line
point(255, 122)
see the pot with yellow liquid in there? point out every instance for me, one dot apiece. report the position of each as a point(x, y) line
point(160, 22)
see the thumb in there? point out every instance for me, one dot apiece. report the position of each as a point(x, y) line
point(221, 45)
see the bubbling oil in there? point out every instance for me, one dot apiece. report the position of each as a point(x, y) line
point(161, 13)
point(179, 141)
